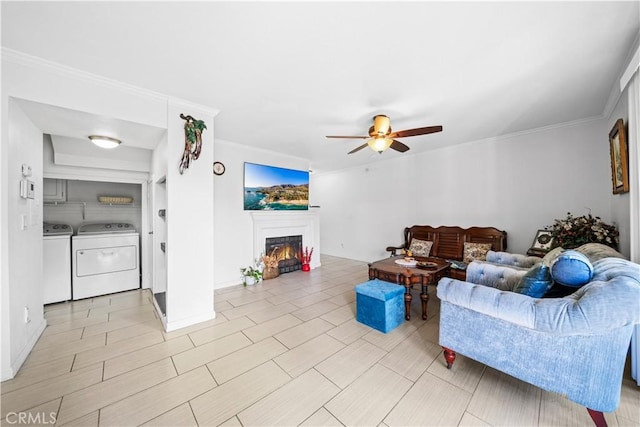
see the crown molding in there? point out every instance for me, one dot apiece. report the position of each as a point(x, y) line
point(192, 106)
point(47, 66)
point(633, 66)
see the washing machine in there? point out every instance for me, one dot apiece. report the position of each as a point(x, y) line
point(105, 258)
point(56, 264)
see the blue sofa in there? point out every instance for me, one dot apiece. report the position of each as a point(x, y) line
point(575, 345)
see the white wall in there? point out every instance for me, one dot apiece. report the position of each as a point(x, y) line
point(87, 192)
point(620, 207)
point(233, 225)
point(24, 232)
point(91, 170)
point(519, 183)
point(190, 215)
point(28, 78)
point(158, 188)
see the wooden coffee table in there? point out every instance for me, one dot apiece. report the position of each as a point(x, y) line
point(388, 270)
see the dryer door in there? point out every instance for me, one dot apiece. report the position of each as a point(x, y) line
point(90, 262)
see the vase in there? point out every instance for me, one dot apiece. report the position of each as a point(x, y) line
point(306, 267)
point(270, 273)
point(249, 280)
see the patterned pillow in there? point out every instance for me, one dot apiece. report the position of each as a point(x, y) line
point(475, 251)
point(420, 247)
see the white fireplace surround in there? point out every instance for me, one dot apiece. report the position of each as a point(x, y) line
point(268, 224)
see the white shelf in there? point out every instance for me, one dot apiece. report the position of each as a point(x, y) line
point(84, 205)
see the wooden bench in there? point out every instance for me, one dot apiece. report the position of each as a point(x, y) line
point(448, 242)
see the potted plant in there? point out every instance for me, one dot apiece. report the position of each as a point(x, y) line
point(253, 274)
point(574, 231)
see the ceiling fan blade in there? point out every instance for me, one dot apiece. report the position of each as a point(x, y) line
point(415, 132)
point(348, 137)
point(358, 148)
point(399, 146)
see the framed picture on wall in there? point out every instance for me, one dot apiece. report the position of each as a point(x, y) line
point(619, 159)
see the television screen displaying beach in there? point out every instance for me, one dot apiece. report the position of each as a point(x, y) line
point(274, 188)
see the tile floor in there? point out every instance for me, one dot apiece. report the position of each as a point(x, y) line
point(286, 352)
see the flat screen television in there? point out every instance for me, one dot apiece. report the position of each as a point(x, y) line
point(274, 188)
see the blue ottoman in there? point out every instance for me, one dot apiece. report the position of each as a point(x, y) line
point(380, 304)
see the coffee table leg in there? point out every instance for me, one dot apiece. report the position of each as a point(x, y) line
point(424, 296)
point(407, 302)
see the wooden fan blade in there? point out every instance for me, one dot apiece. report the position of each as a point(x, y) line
point(358, 148)
point(399, 146)
point(348, 137)
point(415, 132)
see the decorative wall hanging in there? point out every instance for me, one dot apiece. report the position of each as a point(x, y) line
point(192, 141)
point(619, 161)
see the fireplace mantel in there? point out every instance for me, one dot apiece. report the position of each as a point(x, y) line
point(287, 223)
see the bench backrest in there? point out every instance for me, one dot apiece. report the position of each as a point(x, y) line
point(448, 242)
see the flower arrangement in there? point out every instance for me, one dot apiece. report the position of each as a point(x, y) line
point(305, 258)
point(270, 261)
point(574, 231)
point(271, 269)
point(253, 273)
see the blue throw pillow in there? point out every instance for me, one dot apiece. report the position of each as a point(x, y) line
point(571, 268)
point(536, 282)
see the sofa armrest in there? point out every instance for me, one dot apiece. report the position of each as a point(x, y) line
point(595, 308)
point(509, 306)
point(492, 275)
point(393, 249)
point(511, 259)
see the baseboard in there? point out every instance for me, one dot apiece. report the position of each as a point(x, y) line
point(26, 350)
point(161, 316)
point(183, 323)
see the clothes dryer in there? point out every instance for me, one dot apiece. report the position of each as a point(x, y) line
point(105, 259)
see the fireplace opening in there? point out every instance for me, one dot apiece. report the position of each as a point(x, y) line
point(286, 250)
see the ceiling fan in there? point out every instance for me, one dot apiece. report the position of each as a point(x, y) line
point(381, 137)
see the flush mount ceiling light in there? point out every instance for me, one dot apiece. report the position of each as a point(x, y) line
point(104, 141)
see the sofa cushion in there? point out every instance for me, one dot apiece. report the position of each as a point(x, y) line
point(551, 256)
point(420, 247)
point(571, 268)
point(597, 251)
point(513, 260)
point(475, 251)
point(536, 282)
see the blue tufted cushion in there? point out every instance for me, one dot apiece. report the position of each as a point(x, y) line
point(512, 259)
point(536, 282)
point(571, 268)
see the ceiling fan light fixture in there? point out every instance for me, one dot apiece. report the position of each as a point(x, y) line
point(104, 141)
point(379, 144)
point(381, 124)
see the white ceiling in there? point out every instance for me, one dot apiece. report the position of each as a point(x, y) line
point(79, 125)
point(285, 74)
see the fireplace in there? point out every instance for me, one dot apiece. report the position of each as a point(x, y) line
point(286, 250)
point(269, 224)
